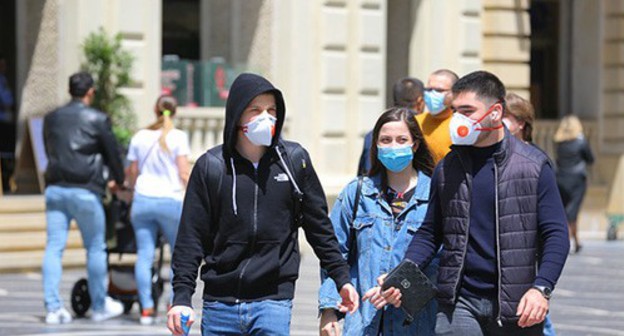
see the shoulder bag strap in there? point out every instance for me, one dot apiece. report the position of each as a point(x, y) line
point(352, 236)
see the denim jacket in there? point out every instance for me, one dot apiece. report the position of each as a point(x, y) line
point(381, 244)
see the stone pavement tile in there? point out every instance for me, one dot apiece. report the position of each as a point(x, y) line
point(589, 300)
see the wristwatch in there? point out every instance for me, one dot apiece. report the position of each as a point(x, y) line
point(546, 292)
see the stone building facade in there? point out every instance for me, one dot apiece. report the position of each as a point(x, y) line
point(336, 59)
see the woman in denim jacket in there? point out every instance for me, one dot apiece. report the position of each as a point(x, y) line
point(391, 208)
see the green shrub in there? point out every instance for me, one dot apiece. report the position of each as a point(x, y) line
point(110, 67)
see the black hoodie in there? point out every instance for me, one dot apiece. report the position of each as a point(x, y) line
point(247, 236)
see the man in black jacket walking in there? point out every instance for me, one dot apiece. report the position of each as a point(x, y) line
point(496, 211)
point(244, 203)
point(80, 145)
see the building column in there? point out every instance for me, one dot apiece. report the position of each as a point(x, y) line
point(329, 59)
point(140, 24)
point(610, 98)
point(37, 60)
point(447, 34)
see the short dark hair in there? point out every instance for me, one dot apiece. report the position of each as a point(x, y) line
point(484, 84)
point(407, 91)
point(448, 73)
point(422, 160)
point(79, 84)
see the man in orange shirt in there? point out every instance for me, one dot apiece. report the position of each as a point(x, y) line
point(435, 122)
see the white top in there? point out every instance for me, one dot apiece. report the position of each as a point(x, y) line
point(158, 172)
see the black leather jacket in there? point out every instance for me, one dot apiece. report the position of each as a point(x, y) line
point(82, 151)
point(573, 156)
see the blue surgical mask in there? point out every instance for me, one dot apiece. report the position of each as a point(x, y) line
point(434, 101)
point(395, 159)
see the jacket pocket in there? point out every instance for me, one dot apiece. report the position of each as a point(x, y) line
point(363, 232)
point(262, 274)
point(361, 223)
point(231, 256)
point(413, 226)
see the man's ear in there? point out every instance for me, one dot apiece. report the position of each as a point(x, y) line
point(497, 113)
point(419, 106)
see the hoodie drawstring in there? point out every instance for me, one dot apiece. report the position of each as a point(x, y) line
point(294, 183)
point(234, 207)
point(292, 180)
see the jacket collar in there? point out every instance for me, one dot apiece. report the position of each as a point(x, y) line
point(501, 156)
point(76, 101)
point(371, 186)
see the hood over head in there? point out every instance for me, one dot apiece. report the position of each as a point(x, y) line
point(244, 89)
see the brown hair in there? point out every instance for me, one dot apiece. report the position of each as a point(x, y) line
point(164, 121)
point(422, 161)
point(522, 110)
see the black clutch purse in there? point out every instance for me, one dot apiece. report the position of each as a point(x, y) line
point(416, 288)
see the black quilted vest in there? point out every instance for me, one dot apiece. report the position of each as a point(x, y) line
point(517, 167)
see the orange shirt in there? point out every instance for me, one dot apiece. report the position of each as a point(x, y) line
point(437, 134)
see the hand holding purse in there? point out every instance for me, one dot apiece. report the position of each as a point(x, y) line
point(416, 288)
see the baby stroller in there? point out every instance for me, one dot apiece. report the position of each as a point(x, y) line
point(120, 241)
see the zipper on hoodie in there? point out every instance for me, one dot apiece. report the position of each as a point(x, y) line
point(498, 259)
point(253, 236)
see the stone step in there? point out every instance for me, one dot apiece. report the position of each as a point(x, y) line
point(596, 198)
point(25, 261)
point(34, 241)
point(22, 222)
point(22, 203)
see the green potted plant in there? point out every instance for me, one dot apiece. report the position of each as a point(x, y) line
point(111, 65)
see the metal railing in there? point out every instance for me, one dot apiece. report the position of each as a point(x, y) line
point(204, 126)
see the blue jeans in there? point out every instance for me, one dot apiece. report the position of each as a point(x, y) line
point(62, 205)
point(148, 216)
point(549, 329)
point(268, 317)
point(475, 317)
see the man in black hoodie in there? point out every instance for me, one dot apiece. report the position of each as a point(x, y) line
point(244, 203)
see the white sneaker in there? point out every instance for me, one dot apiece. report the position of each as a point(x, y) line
point(59, 316)
point(147, 317)
point(147, 320)
point(112, 308)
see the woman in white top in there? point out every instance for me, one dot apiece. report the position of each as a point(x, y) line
point(159, 171)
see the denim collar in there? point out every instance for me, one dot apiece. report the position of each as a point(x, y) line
point(371, 187)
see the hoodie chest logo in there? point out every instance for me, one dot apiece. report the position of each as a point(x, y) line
point(281, 177)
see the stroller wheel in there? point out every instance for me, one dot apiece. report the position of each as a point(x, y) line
point(127, 304)
point(80, 299)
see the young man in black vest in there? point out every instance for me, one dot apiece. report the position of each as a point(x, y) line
point(244, 203)
point(496, 212)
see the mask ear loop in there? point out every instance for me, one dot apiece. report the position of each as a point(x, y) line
point(490, 110)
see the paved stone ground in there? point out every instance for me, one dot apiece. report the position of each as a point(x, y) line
point(589, 300)
point(22, 312)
